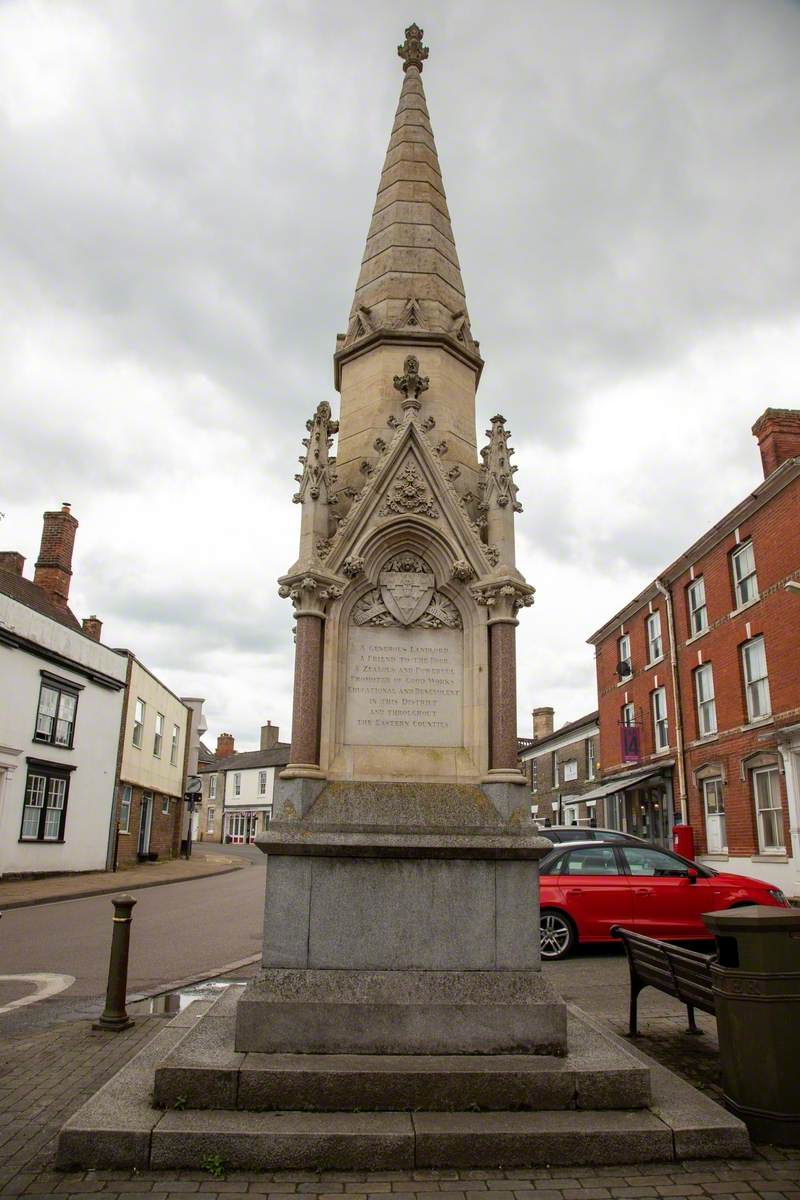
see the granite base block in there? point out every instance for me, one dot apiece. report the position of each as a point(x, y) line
point(509, 1139)
point(401, 1012)
point(594, 1075)
point(114, 1127)
point(285, 1141)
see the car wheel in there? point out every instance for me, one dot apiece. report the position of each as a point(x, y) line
point(557, 934)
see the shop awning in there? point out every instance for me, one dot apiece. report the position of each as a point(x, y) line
point(621, 783)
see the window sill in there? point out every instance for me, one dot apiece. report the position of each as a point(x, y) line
point(41, 841)
point(744, 607)
point(696, 636)
point(654, 662)
point(759, 722)
point(625, 679)
point(661, 753)
point(770, 856)
point(52, 745)
point(716, 857)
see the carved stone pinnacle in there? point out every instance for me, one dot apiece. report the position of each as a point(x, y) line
point(412, 51)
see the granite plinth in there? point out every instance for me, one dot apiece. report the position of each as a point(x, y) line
point(401, 1012)
point(206, 1072)
point(117, 1127)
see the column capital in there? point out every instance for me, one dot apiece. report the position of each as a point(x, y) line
point(503, 596)
point(311, 591)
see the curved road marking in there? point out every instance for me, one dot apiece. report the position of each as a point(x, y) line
point(45, 985)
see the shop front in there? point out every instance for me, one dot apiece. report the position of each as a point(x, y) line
point(242, 826)
point(640, 803)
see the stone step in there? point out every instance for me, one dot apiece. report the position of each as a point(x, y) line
point(204, 1071)
point(401, 1141)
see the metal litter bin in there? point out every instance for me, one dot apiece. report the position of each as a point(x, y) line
point(756, 984)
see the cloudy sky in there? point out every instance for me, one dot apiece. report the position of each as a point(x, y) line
point(186, 190)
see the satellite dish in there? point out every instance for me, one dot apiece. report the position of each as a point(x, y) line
point(624, 668)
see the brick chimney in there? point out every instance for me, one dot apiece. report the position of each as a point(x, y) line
point(778, 433)
point(92, 627)
point(12, 561)
point(225, 745)
point(542, 722)
point(269, 736)
point(53, 570)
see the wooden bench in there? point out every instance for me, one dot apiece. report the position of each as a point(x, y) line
point(678, 972)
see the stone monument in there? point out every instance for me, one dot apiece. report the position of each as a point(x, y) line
point(401, 885)
point(401, 1017)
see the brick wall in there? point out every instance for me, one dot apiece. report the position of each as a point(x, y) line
point(165, 829)
point(774, 530)
point(550, 776)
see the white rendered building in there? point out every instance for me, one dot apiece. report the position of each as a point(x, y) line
point(61, 697)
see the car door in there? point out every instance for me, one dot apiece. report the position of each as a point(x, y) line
point(597, 893)
point(666, 904)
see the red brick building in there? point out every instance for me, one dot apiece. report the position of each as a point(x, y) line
point(698, 682)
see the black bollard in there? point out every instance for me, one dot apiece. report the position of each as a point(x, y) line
point(114, 1017)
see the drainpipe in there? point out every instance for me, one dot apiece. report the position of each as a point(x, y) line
point(676, 692)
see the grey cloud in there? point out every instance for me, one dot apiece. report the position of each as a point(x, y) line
point(622, 179)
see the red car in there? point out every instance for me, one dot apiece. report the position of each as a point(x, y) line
point(587, 889)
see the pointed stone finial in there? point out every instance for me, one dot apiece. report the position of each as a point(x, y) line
point(412, 51)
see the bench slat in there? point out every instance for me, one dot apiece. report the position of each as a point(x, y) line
point(674, 970)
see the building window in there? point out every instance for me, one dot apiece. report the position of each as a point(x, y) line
point(237, 784)
point(210, 815)
point(624, 652)
point(534, 774)
point(55, 718)
point(756, 683)
point(628, 715)
point(173, 753)
point(262, 783)
point(769, 810)
point(698, 613)
point(158, 737)
point(165, 805)
point(570, 770)
point(745, 582)
point(591, 753)
point(654, 645)
point(44, 811)
point(714, 802)
point(212, 787)
point(706, 703)
point(138, 722)
point(660, 724)
point(125, 808)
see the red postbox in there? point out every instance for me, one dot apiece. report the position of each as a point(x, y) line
point(683, 840)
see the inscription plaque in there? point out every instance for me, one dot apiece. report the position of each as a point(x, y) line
point(404, 686)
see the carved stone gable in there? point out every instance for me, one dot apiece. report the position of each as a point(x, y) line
point(408, 494)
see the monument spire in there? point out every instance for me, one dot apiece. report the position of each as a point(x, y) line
point(410, 277)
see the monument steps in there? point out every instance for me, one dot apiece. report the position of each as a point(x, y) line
point(121, 1127)
point(206, 1072)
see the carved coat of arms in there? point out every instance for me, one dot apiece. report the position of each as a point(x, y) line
point(406, 585)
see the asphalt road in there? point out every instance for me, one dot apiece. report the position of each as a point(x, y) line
point(179, 931)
